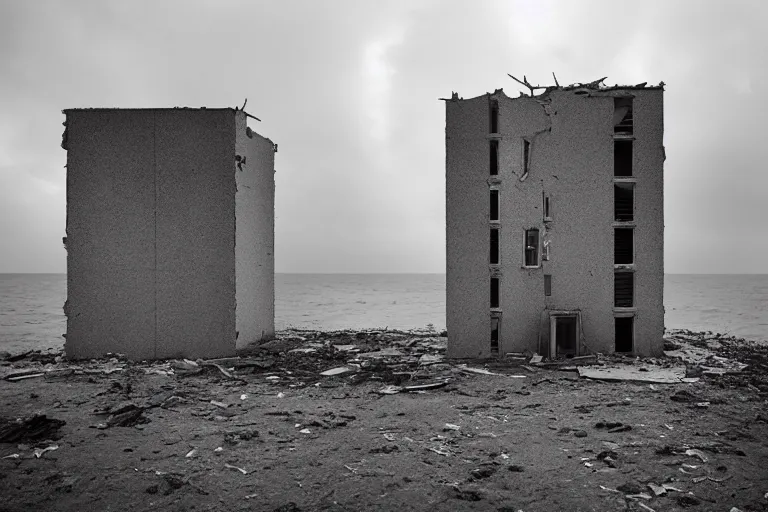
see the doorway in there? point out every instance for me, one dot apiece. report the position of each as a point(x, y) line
point(564, 334)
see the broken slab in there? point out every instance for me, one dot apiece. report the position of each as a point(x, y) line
point(671, 375)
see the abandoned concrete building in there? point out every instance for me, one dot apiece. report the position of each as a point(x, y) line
point(555, 221)
point(170, 233)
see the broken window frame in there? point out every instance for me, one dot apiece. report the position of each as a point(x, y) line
point(495, 205)
point(494, 116)
point(526, 157)
point(494, 246)
point(626, 125)
point(532, 248)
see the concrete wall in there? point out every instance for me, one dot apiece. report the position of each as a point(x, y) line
point(467, 211)
point(571, 161)
point(151, 233)
point(254, 239)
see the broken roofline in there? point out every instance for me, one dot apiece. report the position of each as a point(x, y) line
point(234, 109)
point(595, 85)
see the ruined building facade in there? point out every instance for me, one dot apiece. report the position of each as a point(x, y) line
point(170, 233)
point(555, 222)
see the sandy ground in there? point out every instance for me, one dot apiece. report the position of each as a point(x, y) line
point(282, 437)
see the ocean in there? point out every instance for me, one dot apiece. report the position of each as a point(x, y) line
point(31, 315)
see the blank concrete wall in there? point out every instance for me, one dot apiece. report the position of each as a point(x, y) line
point(254, 239)
point(151, 233)
point(195, 166)
point(110, 234)
point(467, 228)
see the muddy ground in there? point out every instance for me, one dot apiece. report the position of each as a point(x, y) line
point(266, 431)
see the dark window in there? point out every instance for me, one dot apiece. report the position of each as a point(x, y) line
point(623, 246)
point(494, 163)
point(622, 116)
point(623, 202)
point(623, 289)
point(622, 158)
point(547, 285)
point(494, 247)
point(547, 214)
point(494, 116)
point(494, 205)
point(494, 292)
point(624, 335)
point(526, 156)
point(495, 335)
point(531, 247)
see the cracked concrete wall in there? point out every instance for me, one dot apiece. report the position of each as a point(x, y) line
point(255, 235)
point(571, 161)
point(151, 232)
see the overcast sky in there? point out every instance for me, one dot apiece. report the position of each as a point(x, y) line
point(349, 91)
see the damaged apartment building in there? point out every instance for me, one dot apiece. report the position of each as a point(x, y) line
point(555, 221)
point(170, 233)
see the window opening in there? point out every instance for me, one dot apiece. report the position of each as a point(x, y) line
point(495, 335)
point(494, 163)
point(623, 246)
point(623, 289)
point(623, 202)
point(494, 205)
point(622, 116)
point(532, 248)
point(494, 292)
point(494, 116)
point(494, 246)
point(624, 334)
point(547, 213)
point(622, 158)
point(547, 285)
point(526, 156)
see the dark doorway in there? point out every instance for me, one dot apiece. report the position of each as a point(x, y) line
point(566, 336)
point(624, 334)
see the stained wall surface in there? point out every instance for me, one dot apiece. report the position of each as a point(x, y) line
point(150, 232)
point(571, 140)
point(254, 239)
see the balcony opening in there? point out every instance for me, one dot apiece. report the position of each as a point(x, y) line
point(495, 257)
point(494, 205)
point(623, 202)
point(623, 246)
point(547, 285)
point(624, 334)
point(495, 321)
point(494, 162)
point(494, 116)
point(531, 248)
point(623, 289)
point(494, 292)
point(622, 116)
point(622, 158)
